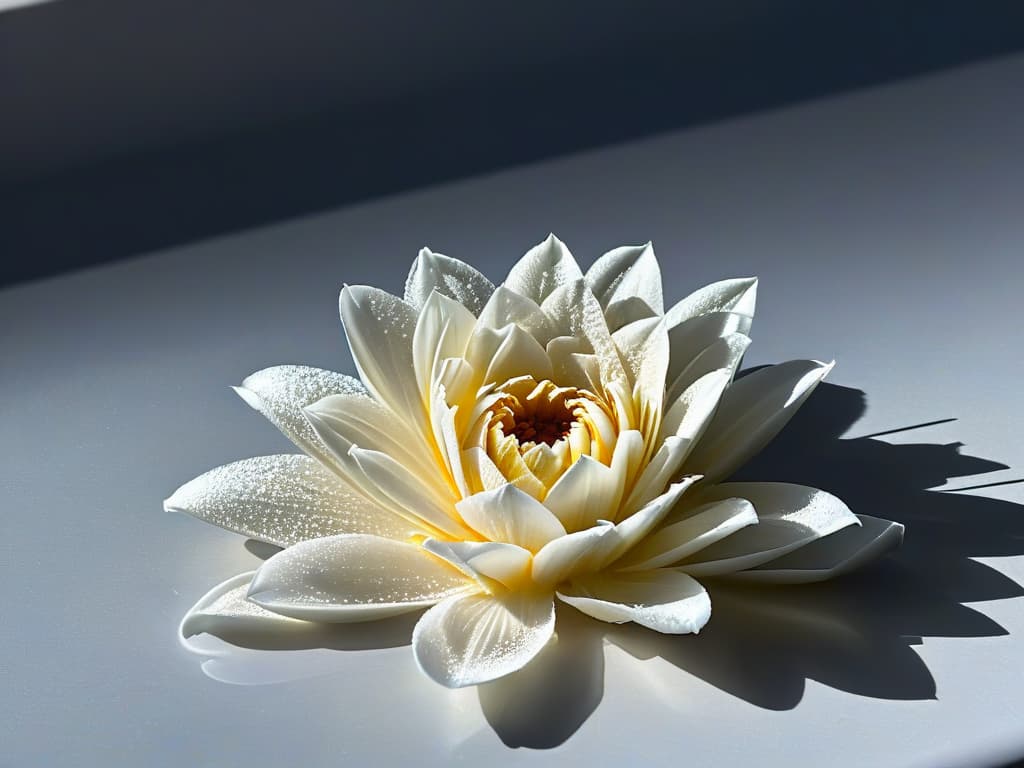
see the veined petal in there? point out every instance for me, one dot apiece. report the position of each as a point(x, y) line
point(789, 517)
point(511, 515)
point(442, 332)
point(280, 393)
point(352, 578)
point(659, 600)
point(508, 564)
point(506, 307)
point(736, 295)
point(283, 500)
point(692, 337)
point(545, 267)
point(450, 277)
point(726, 352)
point(752, 411)
point(380, 330)
point(476, 638)
point(841, 552)
point(702, 527)
point(626, 273)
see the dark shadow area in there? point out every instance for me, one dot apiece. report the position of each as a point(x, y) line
point(130, 126)
point(855, 633)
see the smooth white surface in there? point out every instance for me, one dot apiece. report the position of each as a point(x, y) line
point(887, 231)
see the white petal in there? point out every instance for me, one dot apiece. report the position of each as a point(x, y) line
point(511, 515)
point(574, 312)
point(735, 295)
point(280, 393)
point(544, 268)
point(449, 277)
point(506, 307)
point(704, 526)
point(473, 639)
point(561, 557)
point(789, 517)
point(442, 331)
point(631, 531)
point(589, 491)
point(507, 564)
point(283, 500)
point(644, 347)
point(380, 330)
point(629, 272)
point(726, 352)
point(224, 610)
point(517, 354)
point(834, 555)
point(353, 578)
point(692, 337)
point(752, 411)
point(659, 600)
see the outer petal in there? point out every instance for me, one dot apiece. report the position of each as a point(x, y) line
point(476, 638)
point(283, 500)
point(449, 277)
point(629, 272)
point(659, 600)
point(789, 517)
point(842, 552)
point(544, 268)
point(380, 330)
point(752, 411)
point(726, 352)
point(511, 515)
point(735, 295)
point(692, 337)
point(352, 578)
point(280, 393)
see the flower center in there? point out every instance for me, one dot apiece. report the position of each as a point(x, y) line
point(536, 412)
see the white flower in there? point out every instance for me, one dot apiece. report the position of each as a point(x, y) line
point(561, 436)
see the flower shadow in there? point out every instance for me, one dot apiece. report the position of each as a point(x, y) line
point(856, 633)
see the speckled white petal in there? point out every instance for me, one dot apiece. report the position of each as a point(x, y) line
point(511, 515)
point(280, 393)
point(665, 601)
point(449, 277)
point(842, 552)
point(508, 564)
point(351, 578)
point(692, 337)
point(545, 267)
point(442, 332)
point(789, 517)
point(380, 330)
point(574, 312)
point(477, 638)
point(644, 348)
point(736, 295)
point(727, 352)
point(283, 500)
point(752, 411)
point(629, 272)
point(506, 307)
point(702, 527)
point(225, 610)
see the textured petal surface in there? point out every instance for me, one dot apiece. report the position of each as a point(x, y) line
point(283, 500)
point(449, 277)
point(476, 638)
point(545, 267)
point(725, 353)
point(280, 393)
point(511, 515)
point(842, 552)
point(752, 411)
point(353, 578)
point(789, 517)
point(629, 272)
point(735, 295)
point(665, 601)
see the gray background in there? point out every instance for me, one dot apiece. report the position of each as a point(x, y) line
point(887, 231)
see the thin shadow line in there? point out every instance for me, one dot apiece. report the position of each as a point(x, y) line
point(983, 485)
point(907, 429)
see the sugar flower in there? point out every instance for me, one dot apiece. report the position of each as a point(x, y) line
point(559, 437)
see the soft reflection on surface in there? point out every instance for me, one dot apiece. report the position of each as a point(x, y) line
point(855, 634)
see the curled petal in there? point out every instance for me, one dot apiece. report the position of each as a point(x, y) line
point(665, 601)
point(789, 517)
point(352, 578)
point(545, 267)
point(842, 552)
point(449, 277)
point(511, 515)
point(752, 411)
point(283, 500)
point(736, 295)
point(467, 640)
point(508, 564)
